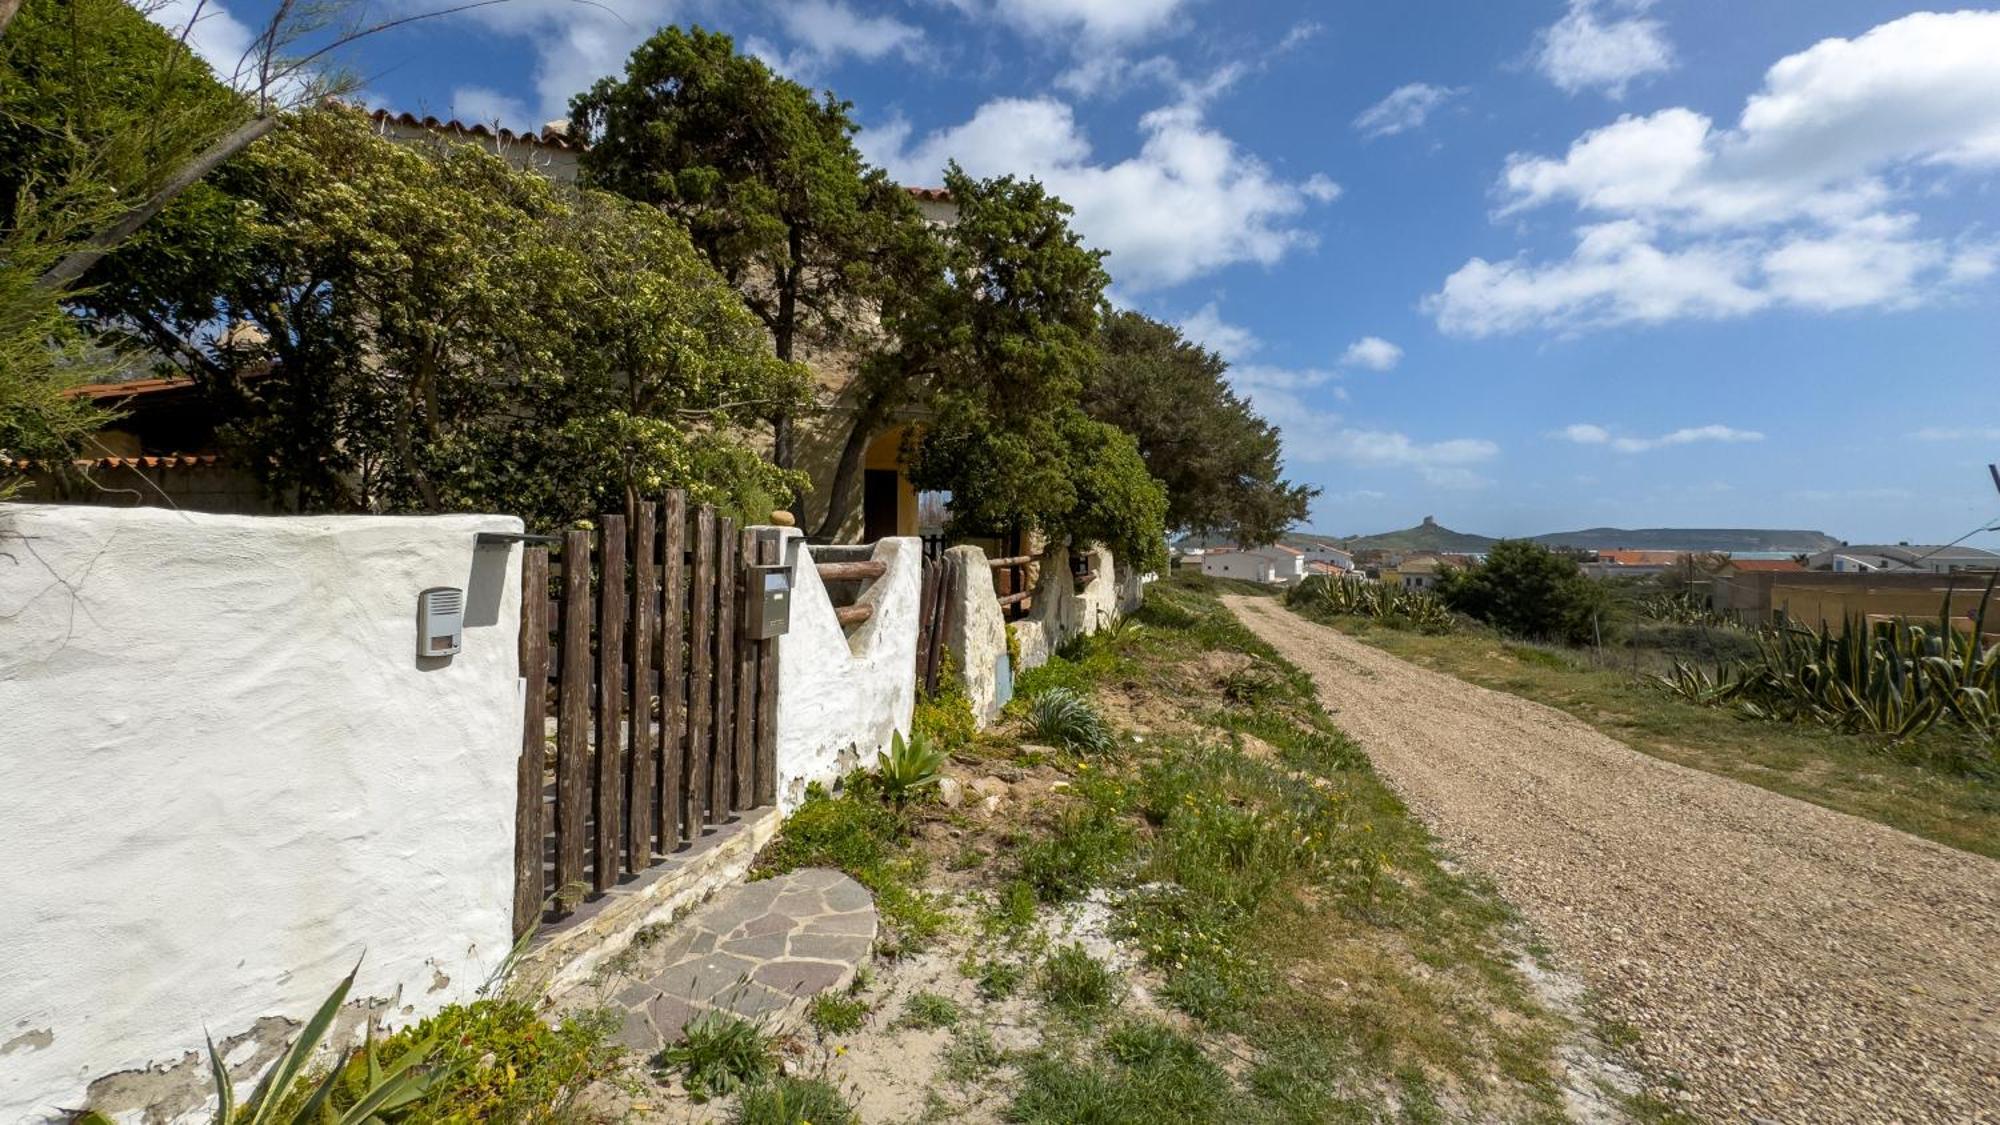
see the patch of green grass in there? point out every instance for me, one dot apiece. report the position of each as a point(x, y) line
point(928, 1009)
point(1088, 842)
point(861, 836)
point(794, 1101)
point(1012, 909)
point(1074, 981)
point(971, 1054)
point(997, 980)
point(1146, 1074)
point(718, 1054)
point(1891, 785)
point(837, 1015)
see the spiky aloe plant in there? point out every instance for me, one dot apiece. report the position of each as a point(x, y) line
point(909, 767)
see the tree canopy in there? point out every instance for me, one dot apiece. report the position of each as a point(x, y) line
point(1218, 460)
point(1526, 589)
point(1005, 342)
point(766, 179)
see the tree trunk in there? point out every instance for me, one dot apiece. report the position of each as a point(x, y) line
point(845, 491)
point(783, 339)
point(78, 262)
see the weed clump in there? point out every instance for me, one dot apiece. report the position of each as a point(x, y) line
point(718, 1054)
point(794, 1101)
point(1063, 717)
point(1076, 982)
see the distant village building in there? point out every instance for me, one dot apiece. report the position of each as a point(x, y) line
point(1275, 565)
point(1328, 555)
point(1903, 558)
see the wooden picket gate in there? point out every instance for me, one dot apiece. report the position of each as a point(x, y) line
point(664, 718)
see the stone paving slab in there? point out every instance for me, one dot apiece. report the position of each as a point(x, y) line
point(758, 950)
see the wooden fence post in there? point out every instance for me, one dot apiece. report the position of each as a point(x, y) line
point(573, 716)
point(722, 768)
point(673, 676)
point(534, 668)
point(610, 775)
point(744, 770)
point(770, 550)
point(701, 680)
point(641, 809)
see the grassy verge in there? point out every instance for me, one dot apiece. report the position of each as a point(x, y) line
point(1860, 776)
point(1280, 940)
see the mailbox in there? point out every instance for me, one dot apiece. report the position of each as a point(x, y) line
point(767, 612)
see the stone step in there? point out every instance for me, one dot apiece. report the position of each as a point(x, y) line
point(758, 950)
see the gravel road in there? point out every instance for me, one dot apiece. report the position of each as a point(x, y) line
point(1782, 962)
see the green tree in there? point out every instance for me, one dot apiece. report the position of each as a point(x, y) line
point(1003, 345)
point(1526, 589)
point(1218, 460)
point(425, 328)
point(767, 180)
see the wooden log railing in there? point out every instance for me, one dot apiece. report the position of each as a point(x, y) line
point(858, 571)
point(1014, 603)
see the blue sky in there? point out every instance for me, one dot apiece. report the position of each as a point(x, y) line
point(1524, 266)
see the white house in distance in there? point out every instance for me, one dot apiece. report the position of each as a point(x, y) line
point(1329, 555)
point(1276, 565)
point(1903, 558)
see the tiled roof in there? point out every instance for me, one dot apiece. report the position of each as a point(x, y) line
point(168, 461)
point(931, 194)
point(547, 138)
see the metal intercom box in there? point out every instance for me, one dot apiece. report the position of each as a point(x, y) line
point(440, 621)
point(767, 611)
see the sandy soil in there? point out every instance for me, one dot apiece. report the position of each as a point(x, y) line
point(1781, 962)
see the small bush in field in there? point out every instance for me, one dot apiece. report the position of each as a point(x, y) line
point(718, 1054)
point(794, 1101)
point(837, 1015)
point(1065, 718)
point(1077, 982)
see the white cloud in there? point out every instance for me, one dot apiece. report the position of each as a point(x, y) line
point(1406, 108)
point(226, 44)
point(1446, 464)
point(1206, 327)
point(1589, 433)
point(1793, 206)
point(1958, 433)
point(575, 44)
point(1190, 202)
point(1373, 353)
point(1098, 21)
point(480, 105)
point(825, 31)
point(1581, 50)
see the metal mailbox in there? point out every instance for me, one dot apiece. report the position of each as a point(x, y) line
point(767, 612)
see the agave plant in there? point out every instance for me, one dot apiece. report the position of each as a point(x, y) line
point(273, 1102)
point(1893, 679)
point(908, 767)
point(1355, 597)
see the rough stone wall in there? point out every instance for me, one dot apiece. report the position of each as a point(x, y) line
point(227, 774)
point(842, 695)
point(977, 637)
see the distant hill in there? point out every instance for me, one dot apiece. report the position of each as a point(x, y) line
point(1429, 535)
point(1692, 539)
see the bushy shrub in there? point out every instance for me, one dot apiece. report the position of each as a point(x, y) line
point(1525, 589)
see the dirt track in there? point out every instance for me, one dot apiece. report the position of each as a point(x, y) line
point(1782, 961)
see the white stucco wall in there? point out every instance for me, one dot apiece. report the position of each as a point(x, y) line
point(1246, 565)
point(841, 697)
point(225, 773)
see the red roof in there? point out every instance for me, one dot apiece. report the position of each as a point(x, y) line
point(549, 138)
point(931, 194)
point(169, 461)
point(133, 388)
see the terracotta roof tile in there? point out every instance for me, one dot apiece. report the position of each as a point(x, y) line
point(547, 138)
point(164, 461)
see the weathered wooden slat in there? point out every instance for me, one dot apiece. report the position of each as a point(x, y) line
point(926, 606)
point(573, 719)
point(1016, 599)
point(770, 550)
point(743, 773)
point(673, 674)
point(854, 614)
point(701, 676)
point(722, 768)
point(534, 668)
point(1010, 561)
point(947, 580)
point(610, 775)
point(852, 571)
point(641, 789)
